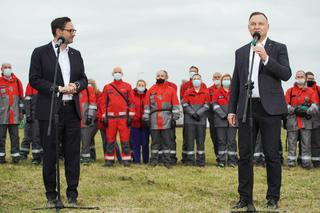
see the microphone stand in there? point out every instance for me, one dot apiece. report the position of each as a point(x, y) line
point(248, 101)
point(53, 108)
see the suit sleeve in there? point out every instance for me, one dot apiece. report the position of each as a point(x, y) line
point(82, 82)
point(35, 74)
point(235, 88)
point(280, 67)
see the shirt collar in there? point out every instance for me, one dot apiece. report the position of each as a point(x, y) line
point(56, 48)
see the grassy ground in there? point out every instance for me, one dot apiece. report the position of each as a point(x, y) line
point(144, 189)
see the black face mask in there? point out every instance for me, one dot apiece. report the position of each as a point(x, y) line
point(310, 83)
point(160, 81)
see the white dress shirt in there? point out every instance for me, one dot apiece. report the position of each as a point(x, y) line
point(64, 63)
point(255, 70)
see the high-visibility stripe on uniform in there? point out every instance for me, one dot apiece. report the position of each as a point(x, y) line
point(291, 157)
point(35, 150)
point(315, 158)
point(86, 155)
point(305, 157)
point(126, 157)
point(15, 154)
point(2, 154)
point(200, 152)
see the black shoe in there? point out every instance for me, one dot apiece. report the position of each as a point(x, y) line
point(2, 161)
point(23, 157)
point(36, 162)
point(126, 163)
point(72, 201)
point(16, 160)
point(153, 164)
point(221, 165)
point(167, 165)
point(108, 163)
point(242, 204)
point(306, 166)
point(51, 203)
point(272, 204)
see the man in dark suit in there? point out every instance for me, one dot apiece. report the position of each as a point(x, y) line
point(270, 67)
point(71, 79)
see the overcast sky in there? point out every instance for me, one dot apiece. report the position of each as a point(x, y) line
point(143, 36)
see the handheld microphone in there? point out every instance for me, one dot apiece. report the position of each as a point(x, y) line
point(60, 41)
point(256, 36)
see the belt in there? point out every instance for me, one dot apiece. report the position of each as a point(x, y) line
point(67, 102)
point(256, 100)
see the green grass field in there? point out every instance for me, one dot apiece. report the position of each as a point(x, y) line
point(144, 189)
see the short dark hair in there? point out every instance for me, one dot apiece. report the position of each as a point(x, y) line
point(194, 67)
point(196, 75)
point(309, 73)
point(257, 13)
point(59, 23)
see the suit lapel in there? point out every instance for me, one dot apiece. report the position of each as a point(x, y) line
point(267, 47)
point(52, 57)
point(71, 59)
point(246, 59)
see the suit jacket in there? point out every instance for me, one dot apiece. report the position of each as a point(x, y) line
point(41, 75)
point(269, 79)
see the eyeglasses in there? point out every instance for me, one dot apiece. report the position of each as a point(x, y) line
point(72, 31)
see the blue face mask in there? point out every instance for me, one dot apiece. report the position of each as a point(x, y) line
point(117, 76)
point(141, 89)
point(7, 72)
point(196, 83)
point(226, 83)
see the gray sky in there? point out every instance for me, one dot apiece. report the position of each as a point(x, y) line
point(144, 36)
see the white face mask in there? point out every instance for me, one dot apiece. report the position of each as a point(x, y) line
point(301, 81)
point(7, 72)
point(216, 82)
point(117, 76)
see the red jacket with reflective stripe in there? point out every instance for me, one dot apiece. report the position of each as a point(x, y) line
point(221, 97)
point(139, 102)
point(87, 98)
point(187, 85)
point(117, 105)
point(296, 96)
point(161, 103)
point(11, 93)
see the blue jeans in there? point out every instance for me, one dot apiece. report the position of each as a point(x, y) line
point(140, 139)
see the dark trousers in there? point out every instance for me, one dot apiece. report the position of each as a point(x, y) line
point(214, 139)
point(69, 135)
point(140, 140)
point(31, 138)
point(195, 133)
point(270, 127)
point(315, 147)
point(161, 140)
point(227, 145)
point(14, 138)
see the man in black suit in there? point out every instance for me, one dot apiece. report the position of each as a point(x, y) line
point(270, 67)
point(71, 79)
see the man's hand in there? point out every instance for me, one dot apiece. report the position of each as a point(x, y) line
point(259, 49)
point(232, 119)
point(69, 89)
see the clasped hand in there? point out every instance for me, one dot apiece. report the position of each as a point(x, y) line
point(69, 89)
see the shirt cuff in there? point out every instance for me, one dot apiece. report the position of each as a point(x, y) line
point(266, 61)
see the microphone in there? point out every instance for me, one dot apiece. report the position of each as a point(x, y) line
point(256, 36)
point(60, 41)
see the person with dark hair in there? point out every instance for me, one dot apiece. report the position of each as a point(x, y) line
point(301, 103)
point(270, 67)
point(161, 107)
point(71, 80)
point(226, 134)
point(315, 135)
point(139, 130)
point(184, 87)
point(216, 78)
point(11, 102)
point(195, 103)
point(173, 149)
